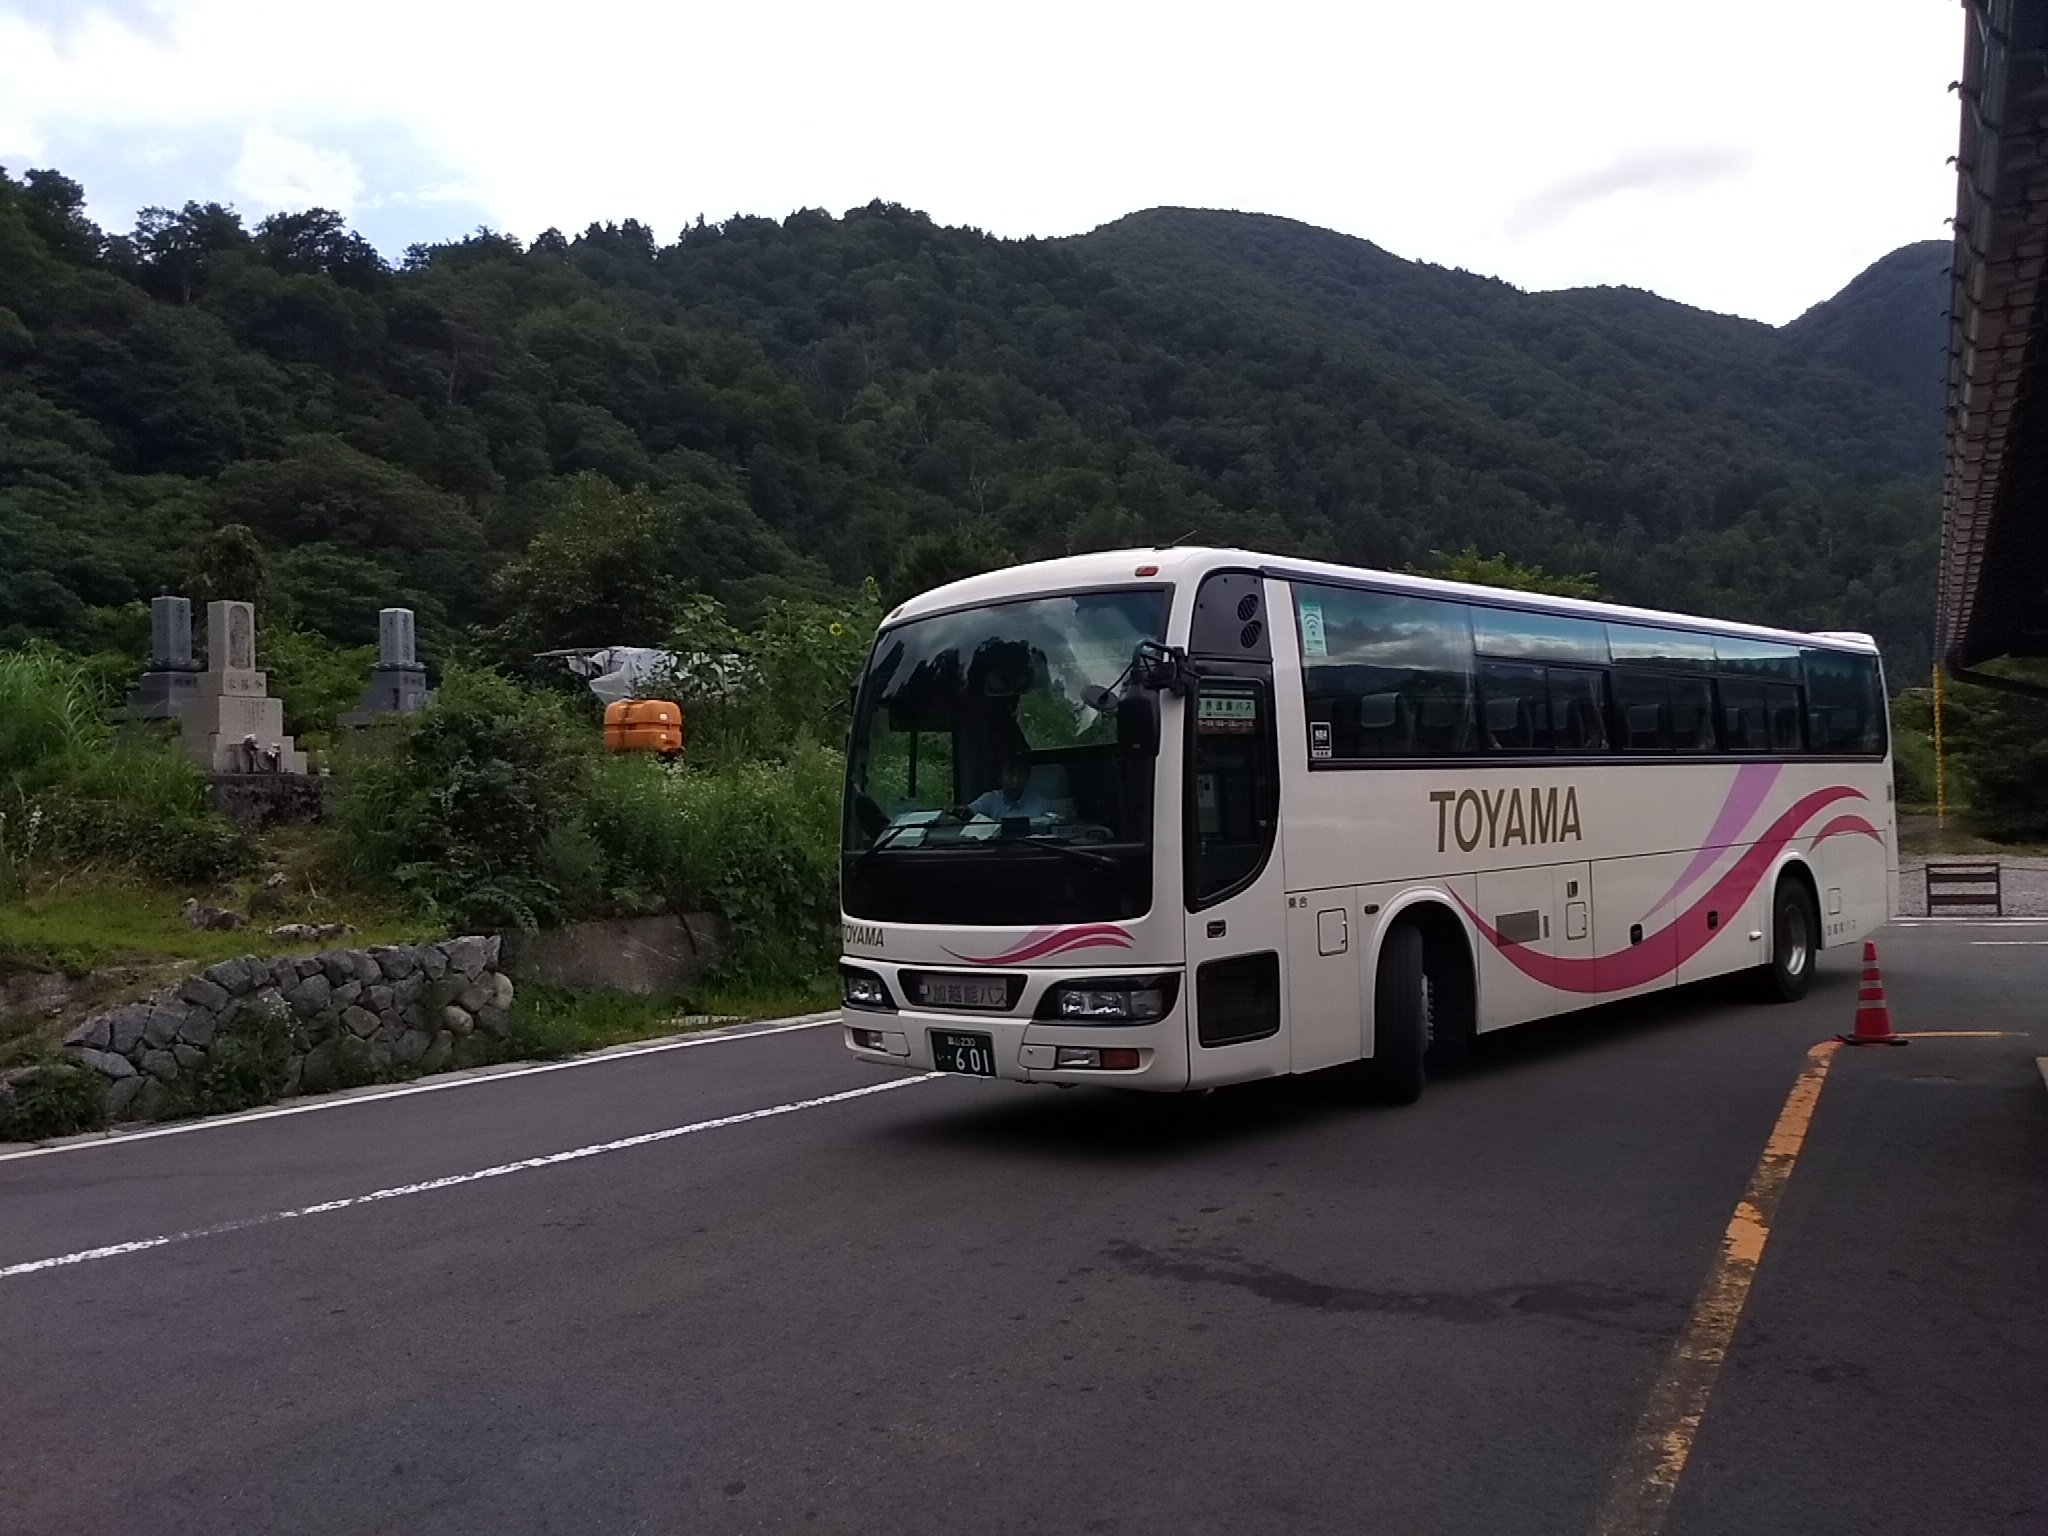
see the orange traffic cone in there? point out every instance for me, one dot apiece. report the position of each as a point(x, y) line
point(1873, 1017)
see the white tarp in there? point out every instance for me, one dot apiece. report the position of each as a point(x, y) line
point(640, 671)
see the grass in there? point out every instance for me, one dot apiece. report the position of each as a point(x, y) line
point(549, 1023)
point(81, 923)
point(742, 997)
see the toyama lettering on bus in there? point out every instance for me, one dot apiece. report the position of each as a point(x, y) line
point(1500, 818)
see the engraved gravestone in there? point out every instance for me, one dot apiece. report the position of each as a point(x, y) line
point(234, 726)
point(170, 676)
point(394, 638)
point(398, 683)
point(170, 635)
point(241, 636)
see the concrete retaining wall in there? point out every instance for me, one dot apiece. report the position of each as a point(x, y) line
point(401, 1005)
point(650, 956)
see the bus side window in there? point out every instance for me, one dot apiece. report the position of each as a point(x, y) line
point(1692, 714)
point(1745, 721)
point(1642, 711)
point(1578, 709)
point(1844, 711)
point(1516, 707)
point(1384, 674)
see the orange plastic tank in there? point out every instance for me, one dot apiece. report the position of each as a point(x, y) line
point(644, 725)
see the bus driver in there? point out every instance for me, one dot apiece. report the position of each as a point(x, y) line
point(1013, 799)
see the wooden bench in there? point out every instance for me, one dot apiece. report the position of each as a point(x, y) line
point(1945, 884)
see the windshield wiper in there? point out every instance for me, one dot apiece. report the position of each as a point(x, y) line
point(885, 837)
point(1086, 855)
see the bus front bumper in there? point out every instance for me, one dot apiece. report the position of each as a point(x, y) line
point(1152, 1056)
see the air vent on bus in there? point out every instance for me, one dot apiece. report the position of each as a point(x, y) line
point(1246, 607)
point(1249, 635)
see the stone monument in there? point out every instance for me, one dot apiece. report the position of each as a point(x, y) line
point(170, 678)
point(233, 725)
point(398, 683)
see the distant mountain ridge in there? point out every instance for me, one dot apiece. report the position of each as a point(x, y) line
point(1469, 330)
point(1889, 325)
point(807, 402)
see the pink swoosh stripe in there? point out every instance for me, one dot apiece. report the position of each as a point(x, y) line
point(1843, 826)
point(1054, 941)
point(1652, 959)
point(1752, 783)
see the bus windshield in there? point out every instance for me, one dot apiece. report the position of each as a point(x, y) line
point(989, 736)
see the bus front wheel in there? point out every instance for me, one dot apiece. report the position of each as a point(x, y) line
point(1401, 1007)
point(1795, 938)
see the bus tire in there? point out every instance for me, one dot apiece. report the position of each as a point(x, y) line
point(1400, 1018)
point(1795, 939)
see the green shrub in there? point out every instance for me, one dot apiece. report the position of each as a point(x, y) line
point(2002, 739)
point(1913, 773)
point(761, 694)
point(246, 1065)
point(52, 1099)
point(762, 844)
point(318, 680)
point(756, 842)
point(458, 805)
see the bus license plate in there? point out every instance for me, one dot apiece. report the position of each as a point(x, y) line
point(973, 1054)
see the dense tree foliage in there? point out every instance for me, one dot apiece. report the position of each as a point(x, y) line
point(559, 444)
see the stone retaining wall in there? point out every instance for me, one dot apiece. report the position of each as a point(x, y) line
point(406, 1004)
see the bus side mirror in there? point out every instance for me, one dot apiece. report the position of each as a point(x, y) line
point(1137, 724)
point(1163, 668)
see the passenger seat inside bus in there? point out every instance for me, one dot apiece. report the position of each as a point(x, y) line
point(1645, 727)
point(1386, 726)
point(1050, 781)
point(1510, 725)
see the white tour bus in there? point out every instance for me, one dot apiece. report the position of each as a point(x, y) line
point(1175, 818)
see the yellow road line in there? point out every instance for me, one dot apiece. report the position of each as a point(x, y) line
point(1655, 1460)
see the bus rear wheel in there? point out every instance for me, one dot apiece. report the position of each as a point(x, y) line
point(1402, 1006)
point(1795, 938)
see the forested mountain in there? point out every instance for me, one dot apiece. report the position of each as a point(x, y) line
point(1890, 325)
point(555, 444)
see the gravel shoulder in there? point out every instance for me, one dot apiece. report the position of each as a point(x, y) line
point(2024, 878)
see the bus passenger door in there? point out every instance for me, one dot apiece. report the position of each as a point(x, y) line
point(1235, 889)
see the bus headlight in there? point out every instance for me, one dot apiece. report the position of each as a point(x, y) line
point(1110, 1000)
point(863, 989)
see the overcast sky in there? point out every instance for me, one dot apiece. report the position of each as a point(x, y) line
point(1749, 156)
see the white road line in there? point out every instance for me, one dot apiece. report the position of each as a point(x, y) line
point(424, 1085)
point(1970, 922)
point(450, 1181)
point(2004, 943)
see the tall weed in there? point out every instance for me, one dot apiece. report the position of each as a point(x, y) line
point(73, 791)
point(756, 842)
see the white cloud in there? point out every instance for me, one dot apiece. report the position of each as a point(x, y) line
point(1521, 140)
point(276, 171)
point(1666, 171)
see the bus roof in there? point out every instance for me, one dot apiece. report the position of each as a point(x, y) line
point(1184, 565)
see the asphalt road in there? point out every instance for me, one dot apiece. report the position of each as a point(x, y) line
point(953, 1306)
